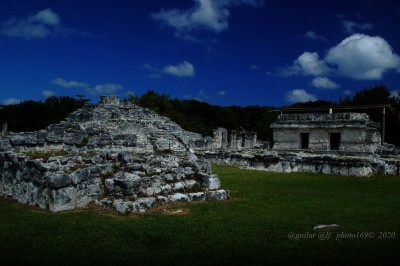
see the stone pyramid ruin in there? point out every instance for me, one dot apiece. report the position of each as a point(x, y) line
point(112, 154)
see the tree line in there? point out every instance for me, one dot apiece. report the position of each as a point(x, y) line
point(202, 117)
point(35, 115)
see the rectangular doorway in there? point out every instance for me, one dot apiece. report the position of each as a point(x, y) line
point(335, 141)
point(304, 140)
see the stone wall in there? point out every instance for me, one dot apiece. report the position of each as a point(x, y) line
point(113, 180)
point(335, 164)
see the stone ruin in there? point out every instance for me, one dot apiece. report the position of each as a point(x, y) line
point(340, 143)
point(347, 132)
point(109, 125)
point(116, 155)
point(238, 140)
point(122, 156)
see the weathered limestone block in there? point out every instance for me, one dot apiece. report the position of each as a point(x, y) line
point(191, 184)
point(109, 184)
point(217, 195)
point(161, 200)
point(25, 192)
point(39, 178)
point(156, 181)
point(118, 138)
point(55, 133)
point(18, 140)
point(151, 191)
point(43, 197)
point(80, 176)
point(123, 207)
point(5, 145)
point(326, 169)
point(188, 171)
point(179, 186)
point(146, 203)
point(125, 157)
point(169, 178)
point(31, 139)
point(38, 164)
point(58, 180)
point(130, 140)
point(88, 191)
point(210, 182)
point(198, 196)
point(41, 137)
point(178, 197)
point(63, 199)
point(130, 183)
point(166, 189)
point(104, 140)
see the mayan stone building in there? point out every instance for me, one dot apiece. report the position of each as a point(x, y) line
point(348, 132)
point(243, 139)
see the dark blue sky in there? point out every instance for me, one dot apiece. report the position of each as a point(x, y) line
point(225, 52)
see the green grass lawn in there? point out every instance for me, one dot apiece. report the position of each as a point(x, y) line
point(251, 228)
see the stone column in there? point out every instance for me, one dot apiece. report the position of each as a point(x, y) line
point(4, 130)
point(110, 100)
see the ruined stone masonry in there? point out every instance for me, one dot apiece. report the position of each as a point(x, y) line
point(348, 132)
point(115, 157)
point(109, 125)
point(112, 180)
point(122, 156)
point(346, 144)
point(238, 140)
point(291, 162)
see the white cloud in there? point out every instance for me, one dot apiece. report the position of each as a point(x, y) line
point(221, 93)
point(206, 14)
point(254, 67)
point(184, 69)
point(149, 67)
point(108, 88)
point(348, 92)
point(352, 27)
point(41, 25)
point(306, 64)
point(155, 71)
point(47, 93)
point(298, 96)
point(324, 83)
point(311, 35)
point(201, 96)
point(11, 101)
point(361, 56)
point(69, 83)
point(47, 16)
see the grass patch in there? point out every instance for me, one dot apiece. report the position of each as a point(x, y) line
point(45, 155)
point(250, 229)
